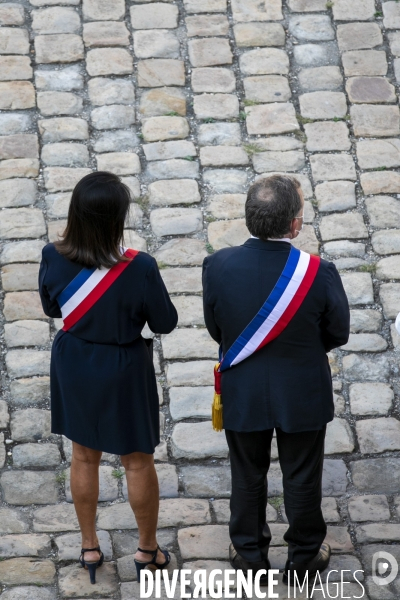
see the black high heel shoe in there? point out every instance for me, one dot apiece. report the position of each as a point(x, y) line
point(91, 566)
point(153, 562)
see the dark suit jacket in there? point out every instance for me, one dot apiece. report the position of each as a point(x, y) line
point(286, 384)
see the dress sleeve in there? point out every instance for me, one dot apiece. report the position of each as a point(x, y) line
point(159, 311)
point(50, 307)
point(336, 317)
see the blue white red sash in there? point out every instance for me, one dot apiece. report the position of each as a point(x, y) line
point(87, 288)
point(273, 317)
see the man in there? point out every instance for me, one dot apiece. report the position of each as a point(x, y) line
point(284, 380)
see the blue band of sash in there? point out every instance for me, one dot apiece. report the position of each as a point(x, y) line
point(264, 311)
point(74, 286)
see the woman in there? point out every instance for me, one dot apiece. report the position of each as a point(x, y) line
point(103, 386)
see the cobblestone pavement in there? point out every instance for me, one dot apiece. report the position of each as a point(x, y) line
point(190, 101)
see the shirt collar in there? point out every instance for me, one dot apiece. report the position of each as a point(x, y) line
point(287, 240)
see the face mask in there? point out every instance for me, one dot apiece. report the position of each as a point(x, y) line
point(302, 225)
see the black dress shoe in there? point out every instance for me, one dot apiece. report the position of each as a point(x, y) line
point(240, 564)
point(318, 563)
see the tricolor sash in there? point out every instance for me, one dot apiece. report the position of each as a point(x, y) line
point(273, 317)
point(87, 288)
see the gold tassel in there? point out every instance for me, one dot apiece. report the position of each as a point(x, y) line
point(217, 421)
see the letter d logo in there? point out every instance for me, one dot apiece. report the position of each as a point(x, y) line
point(384, 568)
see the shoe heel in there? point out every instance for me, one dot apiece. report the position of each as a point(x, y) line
point(92, 571)
point(139, 567)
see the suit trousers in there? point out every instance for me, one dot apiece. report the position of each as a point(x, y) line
point(301, 457)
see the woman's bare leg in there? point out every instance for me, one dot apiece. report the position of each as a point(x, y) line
point(143, 495)
point(85, 493)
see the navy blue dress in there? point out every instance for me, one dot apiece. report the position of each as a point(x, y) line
point(103, 385)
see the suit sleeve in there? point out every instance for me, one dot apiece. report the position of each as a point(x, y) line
point(159, 311)
point(336, 317)
point(50, 307)
point(208, 307)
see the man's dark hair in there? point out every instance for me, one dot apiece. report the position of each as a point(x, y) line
point(96, 217)
point(272, 203)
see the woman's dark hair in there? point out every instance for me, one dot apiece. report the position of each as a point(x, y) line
point(271, 205)
point(96, 217)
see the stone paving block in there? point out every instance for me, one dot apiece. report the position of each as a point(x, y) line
point(65, 154)
point(372, 90)
point(59, 103)
point(391, 15)
point(15, 67)
point(175, 191)
point(323, 105)
point(378, 182)
point(378, 435)
point(209, 541)
point(133, 240)
point(394, 41)
point(364, 62)
point(223, 234)
point(365, 321)
point(182, 280)
point(339, 539)
point(206, 25)
point(69, 545)
point(365, 342)
point(265, 61)
point(325, 136)
point(311, 28)
point(178, 252)
point(103, 91)
point(200, 6)
point(316, 55)
point(188, 343)
point(339, 437)
point(120, 163)
point(36, 455)
point(267, 88)
point(24, 363)
point(4, 416)
point(215, 79)
point(360, 10)
point(271, 119)
point(292, 160)
point(63, 128)
point(334, 478)
point(109, 61)
point(159, 102)
point(17, 192)
point(13, 521)
point(359, 36)
point(210, 51)
point(30, 425)
point(110, 33)
point(378, 153)
point(36, 545)
point(58, 179)
point(156, 43)
point(259, 34)
point(22, 223)
point(23, 305)
point(61, 517)
point(115, 141)
point(155, 16)
point(344, 248)
point(165, 128)
point(358, 287)
point(356, 367)
point(19, 167)
point(335, 195)
point(388, 268)
point(105, 10)
point(28, 487)
point(252, 10)
point(74, 581)
point(320, 78)
point(12, 14)
point(172, 169)
point(55, 229)
point(14, 41)
point(113, 116)
point(55, 20)
point(176, 221)
point(216, 106)
point(229, 206)
point(219, 134)
point(375, 121)
point(26, 333)
point(65, 79)
point(330, 167)
point(369, 508)
point(197, 441)
point(16, 95)
point(158, 72)
point(375, 475)
point(386, 242)
point(218, 156)
point(190, 402)
point(29, 390)
point(307, 5)
point(168, 150)
point(60, 48)
point(26, 571)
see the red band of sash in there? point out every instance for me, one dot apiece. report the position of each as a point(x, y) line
point(99, 290)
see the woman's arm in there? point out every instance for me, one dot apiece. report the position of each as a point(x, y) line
point(50, 307)
point(160, 313)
